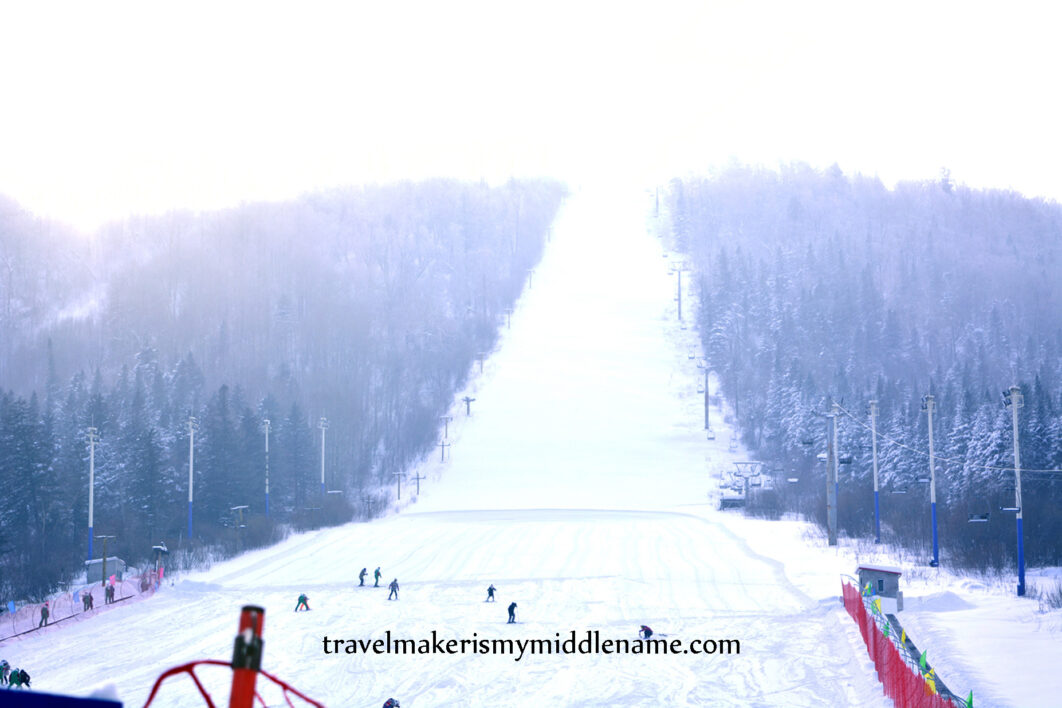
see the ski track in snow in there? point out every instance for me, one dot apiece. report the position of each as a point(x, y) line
point(577, 487)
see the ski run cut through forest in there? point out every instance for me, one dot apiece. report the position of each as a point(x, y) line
point(579, 484)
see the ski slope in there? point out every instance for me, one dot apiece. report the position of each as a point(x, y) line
point(579, 486)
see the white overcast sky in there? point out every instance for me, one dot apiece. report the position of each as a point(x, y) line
point(110, 108)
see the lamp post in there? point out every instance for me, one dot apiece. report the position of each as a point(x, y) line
point(92, 437)
point(1015, 400)
point(323, 425)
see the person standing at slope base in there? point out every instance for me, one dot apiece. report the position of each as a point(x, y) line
point(44, 616)
point(490, 594)
point(512, 614)
point(377, 573)
point(361, 578)
point(394, 590)
point(5, 669)
point(304, 603)
point(645, 632)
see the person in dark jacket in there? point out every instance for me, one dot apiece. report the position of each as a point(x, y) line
point(645, 632)
point(44, 616)
point(361, 578)
point(394, 590)
point(512, 613)
point(391, 703)
point(304, 603)
point(490, 594)
point(377, 574)
point(5, 669)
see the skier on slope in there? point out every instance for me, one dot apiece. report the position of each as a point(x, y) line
point(391, 703)
point(645, 632)
point(304, 603)
point(512, 614)
point(5, 669)
point(377, 573)
point(18, 679)
point(490, 594)
point(394, 590)
point(361, 578)
point(44, 616)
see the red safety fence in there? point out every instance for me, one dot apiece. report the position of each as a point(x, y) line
point(71, 606)
point(904, 685)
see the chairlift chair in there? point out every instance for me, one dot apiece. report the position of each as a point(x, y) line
point(711, 434)
point(978, 518)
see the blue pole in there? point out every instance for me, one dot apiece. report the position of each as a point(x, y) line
point(936, 547)
point(90, 540)
point(1021, 559)
point(189, 520)
point(877, 518)
point(267, 503)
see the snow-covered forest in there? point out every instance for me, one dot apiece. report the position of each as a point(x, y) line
point(367, 307)
point(816, 287)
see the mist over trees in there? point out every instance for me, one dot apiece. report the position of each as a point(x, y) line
point(816, 286)
point(366, 306)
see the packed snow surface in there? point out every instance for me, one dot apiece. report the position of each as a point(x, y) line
point(581, 486)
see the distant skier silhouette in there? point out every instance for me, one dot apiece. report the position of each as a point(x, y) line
point(304, 603)
point(490, 594)
point(377, 573)
point(512, 614)
point(44, 616)
point(645, 632)
point(394, 590)
point(361, 578)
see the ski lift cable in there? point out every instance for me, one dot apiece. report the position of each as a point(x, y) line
point(923, 453)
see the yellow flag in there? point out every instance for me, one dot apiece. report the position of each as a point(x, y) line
point(903, 637)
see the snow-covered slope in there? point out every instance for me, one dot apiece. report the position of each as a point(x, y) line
point(579, 486)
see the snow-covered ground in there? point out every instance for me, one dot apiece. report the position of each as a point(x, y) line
point(583, 488)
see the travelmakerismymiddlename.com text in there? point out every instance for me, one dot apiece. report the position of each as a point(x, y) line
point(590, 642)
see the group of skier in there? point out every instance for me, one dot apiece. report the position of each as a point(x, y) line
point(13, 678)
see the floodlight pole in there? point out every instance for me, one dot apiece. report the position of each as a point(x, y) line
point(103, 580)
point(1016, 401)
point(418, 478)
point(874, 453)
point(92, 436)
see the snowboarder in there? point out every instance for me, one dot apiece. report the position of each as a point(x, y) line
point(512, 614)
point(394, 590)
point(645, 632)
point(490, 594)
point(303, 603)
point(361, 578)
point(391, 703)
point(377, 573)
point(5, 669)
point(44, 616)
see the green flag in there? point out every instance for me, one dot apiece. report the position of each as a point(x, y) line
point(885, 630)
point(922, 661)
point(969, 700)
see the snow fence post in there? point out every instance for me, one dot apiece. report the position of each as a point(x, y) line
point(246, 657)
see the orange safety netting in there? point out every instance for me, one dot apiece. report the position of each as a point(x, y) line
point(905, 686)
